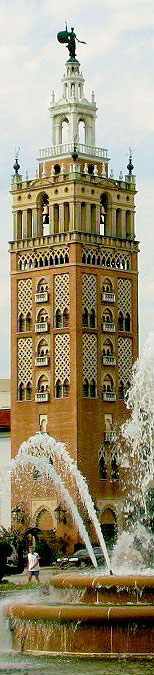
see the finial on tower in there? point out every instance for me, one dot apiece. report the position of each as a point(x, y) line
point(130, 165)
point(16, 165)
point(69, 38)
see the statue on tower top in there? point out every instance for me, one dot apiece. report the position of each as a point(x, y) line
point(69, 38)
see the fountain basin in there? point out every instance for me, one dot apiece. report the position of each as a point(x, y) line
point(90, 628)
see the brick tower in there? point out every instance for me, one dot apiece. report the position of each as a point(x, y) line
point(74, 299)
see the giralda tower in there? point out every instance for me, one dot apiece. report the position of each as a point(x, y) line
point(74, 283)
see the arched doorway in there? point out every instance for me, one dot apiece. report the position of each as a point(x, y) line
point(109, 526)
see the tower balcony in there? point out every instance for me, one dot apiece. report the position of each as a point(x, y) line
point(42, 297)
point(109, 396)
point(107, 296)
point(67, 149)
point(108, 360)
point(42, 327)
point(42, 360)
point(108, 327)
point(42, 396)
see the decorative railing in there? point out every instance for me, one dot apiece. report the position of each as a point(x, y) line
point(107, 297)
point(42, 396)
point(68, 148)
point(42, 360)
point(109, 396)
point(108, 326)
point(41, 297)
point(41, 327)
point(108, 360)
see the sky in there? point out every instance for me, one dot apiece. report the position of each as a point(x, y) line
point(118, 64)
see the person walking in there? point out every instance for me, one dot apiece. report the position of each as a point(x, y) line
point(33, 564)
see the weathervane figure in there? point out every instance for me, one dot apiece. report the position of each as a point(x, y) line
point(69, 38)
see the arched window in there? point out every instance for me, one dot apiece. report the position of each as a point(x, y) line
point(29, 223)
point(107, 347)
point(81, 132)
point(58, 389)
point(29, 392)
point(118, 222)
point(85, 388)
point(93, 217)
point(121, 390)
point(120, 321)
point(43, 384)
point(58, 319)
point(114, 468)
point(65, 318)
point(66, 217)
point(83, 217)
point(108, 383)
point(92, 389)
point(66, 388)
point(85, 318)
point(42, 316)
point(104, 203)
point(84, 259)
point(19, 224)
point(103, 466)
point(42, 286)
point(42, 348)
point(128, 224)
point(107, 316)
point(127, 322)
point(21, 392)
point(61, 259)
point(88, 259)
point(64, 132)
point(43, 214)
point(92, 319)
point(28, 322)
point(21, 323)
point(56, 218)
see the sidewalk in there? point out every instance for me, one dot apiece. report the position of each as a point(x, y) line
point(45, 575)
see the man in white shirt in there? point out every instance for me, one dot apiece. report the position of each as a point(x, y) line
point(33, 564)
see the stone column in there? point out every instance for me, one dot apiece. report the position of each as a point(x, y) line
point(78, 216)
point(15, 226)
point(113, 223)
point(132, 223)
point(61, 218)
point(97, 219)
point(72, 217)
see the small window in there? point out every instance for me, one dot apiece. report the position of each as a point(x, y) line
point(85, 388)
point(58, 319)
point(85, 318)
point(58, 389)
point(66, 389)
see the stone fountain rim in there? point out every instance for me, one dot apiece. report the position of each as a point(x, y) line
point(102, 581)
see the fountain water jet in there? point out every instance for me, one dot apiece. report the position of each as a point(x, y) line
point(45, 466)
point(46, 446)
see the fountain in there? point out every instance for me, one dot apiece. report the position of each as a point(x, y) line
point(98, 616)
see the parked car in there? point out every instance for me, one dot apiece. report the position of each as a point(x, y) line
point(81, 558)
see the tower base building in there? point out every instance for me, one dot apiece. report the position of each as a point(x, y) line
point(74, 281)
